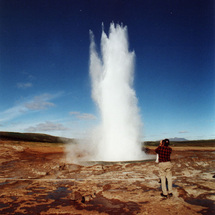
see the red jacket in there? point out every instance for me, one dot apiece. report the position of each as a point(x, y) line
point(164, 153)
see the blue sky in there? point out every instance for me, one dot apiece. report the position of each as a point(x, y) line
point(44, 58)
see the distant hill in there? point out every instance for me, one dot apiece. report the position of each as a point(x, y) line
point(201, 143)
point(178, 139)
point(33, 137)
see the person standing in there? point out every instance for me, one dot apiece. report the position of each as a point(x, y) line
point(165, 167)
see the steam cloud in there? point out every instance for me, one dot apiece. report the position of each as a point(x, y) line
point(112, 75)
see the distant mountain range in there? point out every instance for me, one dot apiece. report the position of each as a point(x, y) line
point(177, 139)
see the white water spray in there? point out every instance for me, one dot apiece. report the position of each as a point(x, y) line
point(118, 136)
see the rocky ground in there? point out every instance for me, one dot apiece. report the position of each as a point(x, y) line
point(36, 179)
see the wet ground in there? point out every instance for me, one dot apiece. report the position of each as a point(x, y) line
point(36, 179)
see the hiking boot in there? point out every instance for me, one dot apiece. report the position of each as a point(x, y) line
point(170, 194)
point(163, 195)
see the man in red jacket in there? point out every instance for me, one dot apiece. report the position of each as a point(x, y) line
point(165, 167)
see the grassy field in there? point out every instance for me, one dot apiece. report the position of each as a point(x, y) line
point(33, 137)
point(196, 143)
point(44, 139)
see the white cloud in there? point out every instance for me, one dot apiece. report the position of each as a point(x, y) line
point(84, 116)
point(47, 126)
point(37, 103)
point(12, 113)
point(74, 113)
point(183, 132)
point(40, 102)
point(24, 85)
point(28, 75)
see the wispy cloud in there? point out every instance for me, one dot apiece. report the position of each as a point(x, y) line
point(28, 81)
point(12, 113)
point(183, 132)
point(39, 105)
point(74, 113)
point(28, 76)
point(24, 85)
point(46, 126)
point(36, 103)
point(40, 102)
point(84, 116)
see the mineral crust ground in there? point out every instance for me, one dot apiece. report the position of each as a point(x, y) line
point(36, 179)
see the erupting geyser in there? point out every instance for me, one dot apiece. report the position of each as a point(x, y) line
point(112, 74)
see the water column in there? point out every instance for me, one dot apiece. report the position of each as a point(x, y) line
point(112, 76)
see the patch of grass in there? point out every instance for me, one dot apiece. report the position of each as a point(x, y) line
point(198, 143)
point(33, 137)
